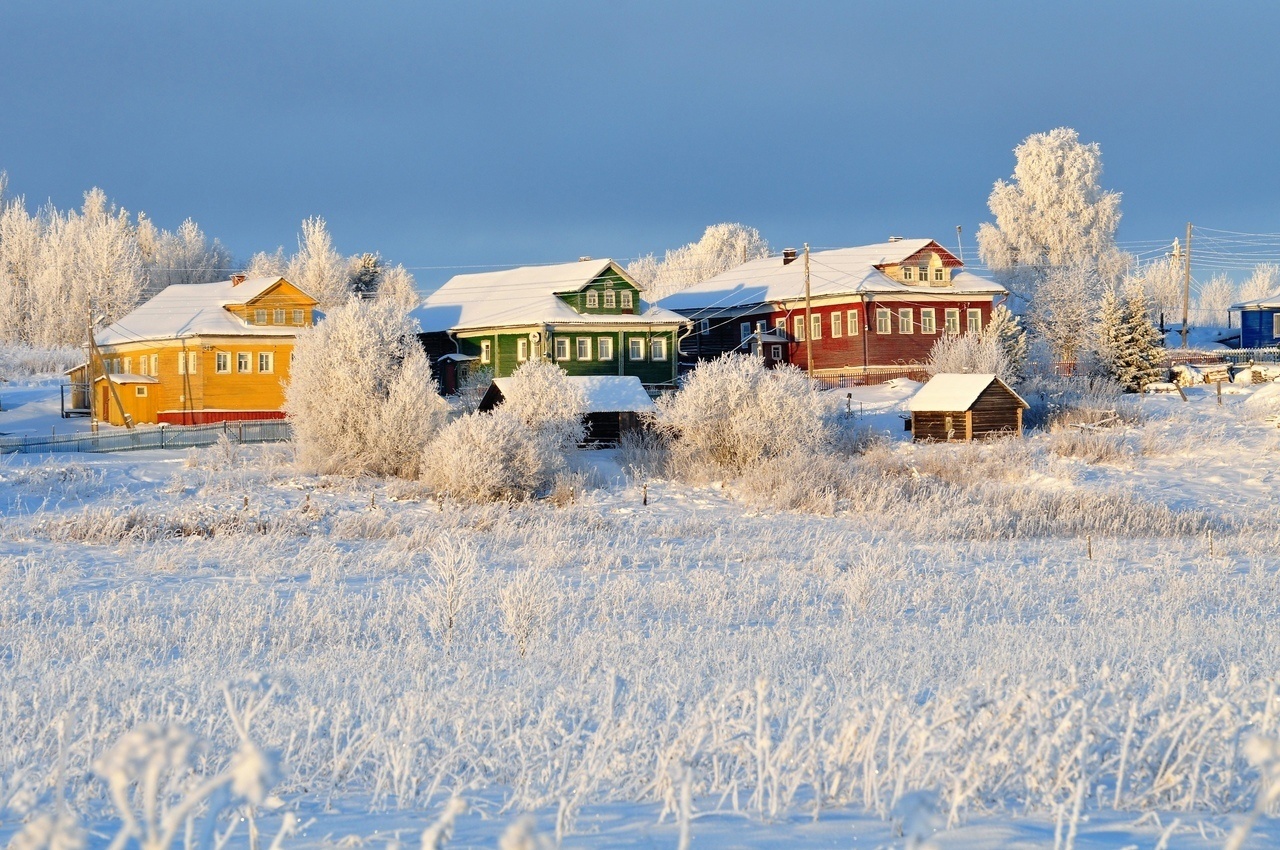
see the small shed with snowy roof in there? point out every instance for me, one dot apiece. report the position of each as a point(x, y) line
point(965, 407)
point(1259, 321)
point(615, 404)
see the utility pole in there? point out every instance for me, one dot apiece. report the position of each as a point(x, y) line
point(106, 377)
point(808, 315)
point(1186, 287)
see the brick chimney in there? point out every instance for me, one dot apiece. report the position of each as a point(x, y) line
point(237, 279)
point(788, 256)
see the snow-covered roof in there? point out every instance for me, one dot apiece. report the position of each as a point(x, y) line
point(1271, 302)
point(190, 309)
point(949, 392)
point(126, 378)
point(842, 271)
point(524, 296)
point(604, 393)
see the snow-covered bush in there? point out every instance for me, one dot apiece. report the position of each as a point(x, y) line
point(472, 387)
point(361, 398)
point(541, 395)
point(488, 457)
point(970, 354)
point(733, 413)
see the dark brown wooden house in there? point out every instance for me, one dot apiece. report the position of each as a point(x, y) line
point(615, 404)
point(965, 407)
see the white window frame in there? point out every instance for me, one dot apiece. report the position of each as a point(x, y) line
point(884, 320)
point(1275, 325)
point(952, 319)
point(142, 364)
point(140, 391)
point(744, 331)
point(855, 327)
point(928, 321)
point(267, 359)
point(906, 320)
point(593, 300)
point(583, 345)
point(627, 301)
point(635, 348)
point(193, 362)
point(277, 316)
point(704, 327)
point(522, 350)
point(604, 348)
point(973, 321)
point(940, 275)
point(128, 365)
point(260, 316)
point(222, 362)
point(658, 349)
point(182, 363)
point(299, 317)
point(907, 273)
point(837, 322)
point(562, 348)
point(486, 351)
point(924, 274)
point(244, 363)
point(798, 324)
point(815, 322)
point(780, 325)
point(610, 300)
point(775, 352)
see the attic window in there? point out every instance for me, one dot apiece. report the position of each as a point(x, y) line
point(259, 317)
point(298, 317)
point(906, 273)
point(610, 299)
point(593, 299)
point(626, 299)
point(938, 274)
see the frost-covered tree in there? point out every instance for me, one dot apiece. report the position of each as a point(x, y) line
point(1263, 282)
point(721, 247)
point(1006, 330)
point(364, 273)
point(1063, 310)
point(1215, 299)
point(735, 413)
point(318, 268)
point(1129, 345)
point(1052, 215)
point(20, 257)
point(543, 397)
point(487, 457)
point(186, 256)
point(970, 354)
point(361, 398)
point(1162, 282)
point(264, 264)
point(397, 286)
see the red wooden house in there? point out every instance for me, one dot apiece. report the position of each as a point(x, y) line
point(872, 310)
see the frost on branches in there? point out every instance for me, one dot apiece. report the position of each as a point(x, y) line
point(1000, 350)
point(1129, 345)
point(361, 398)
point(542, 396)
point(721, 247)
point(735, 413)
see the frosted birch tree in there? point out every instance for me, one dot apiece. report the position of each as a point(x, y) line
point(1215, 299)
point(187, 256)
point(318, 269)
point(1262, 283)
point(721, 247)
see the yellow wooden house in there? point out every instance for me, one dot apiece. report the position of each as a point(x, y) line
point(198, 353)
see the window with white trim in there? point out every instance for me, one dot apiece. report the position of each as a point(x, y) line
point(222, 362)
point(780, 325)
point(974, 321)
point(259, 317)
point(142, 365)
point(299, 317)
point(775, 352)
point(593, 299)
point(182, 363)
point(486, 351)
point(837, 324)
point(658, 348)
point(266, 362)
point(815, 325)
point(798, 324)
point(193, 358)
point(939, 274)
point(906, 273)
point(128, 365)
point(906, 320)
point(884, 320)
point(140, 392)
point(928, 324)
point(243, 364)
point(604, 347)
point(277, 316)
point(704, 327)
point(155, 364)
point(584, 348)
point(522, 350)
point(1275, 325)
point(924, 274)
point(635, 348)
point(744, 330)
point(953, 320)
point(610, 299)
point(627, 302)
point(855, 327)
point(562, 348)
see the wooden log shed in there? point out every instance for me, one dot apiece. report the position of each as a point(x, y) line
point(965, 407)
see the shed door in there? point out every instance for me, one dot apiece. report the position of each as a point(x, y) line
point(106, 402)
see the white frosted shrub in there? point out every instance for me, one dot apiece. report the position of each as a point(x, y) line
point(542, 396)
point(488, 457)
point(969, 354)
point(734, 413)
point(361, 398)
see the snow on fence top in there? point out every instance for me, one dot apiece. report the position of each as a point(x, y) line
point(524, 296)
point(604, 393)
point(189, 309)
point(951, 393)
point(842, 271)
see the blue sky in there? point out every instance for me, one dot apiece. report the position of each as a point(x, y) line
point(473, 134)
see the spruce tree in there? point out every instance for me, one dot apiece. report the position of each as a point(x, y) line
point(1006, 329)
point(1145, 344)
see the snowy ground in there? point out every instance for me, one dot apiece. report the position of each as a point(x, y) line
point(998, 646)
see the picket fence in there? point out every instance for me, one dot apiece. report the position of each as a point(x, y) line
point(157, 437)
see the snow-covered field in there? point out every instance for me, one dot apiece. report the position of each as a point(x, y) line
point(1069, 639)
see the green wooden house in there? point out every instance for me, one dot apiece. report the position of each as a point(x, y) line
point(587, 316)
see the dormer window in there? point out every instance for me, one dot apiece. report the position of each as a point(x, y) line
point(938, 275)
point(593, 299)
point(907, 273)
point(924, 274)
point(626, 299)
point(259, 317)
